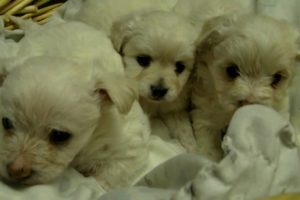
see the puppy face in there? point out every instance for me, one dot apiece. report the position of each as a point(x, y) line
point(158, 52)
point(49, 110)
point(250, 62)
point(47, 116)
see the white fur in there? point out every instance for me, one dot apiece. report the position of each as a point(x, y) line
point(73, 40)
point(260, 47)
point(295, 101)
point(199, 11)
point(109, 140)
point(103, 13)
point(167, 38)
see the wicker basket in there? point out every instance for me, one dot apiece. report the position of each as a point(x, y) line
point(38, 10)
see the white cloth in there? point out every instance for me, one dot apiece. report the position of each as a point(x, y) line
point(262, 160)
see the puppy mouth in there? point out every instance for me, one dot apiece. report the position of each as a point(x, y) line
point(17, 182)
point(151, 99)
point(156, 99)
point(25, 181)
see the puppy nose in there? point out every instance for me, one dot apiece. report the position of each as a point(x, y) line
point(158, 91)
point(244, 102)
point(18, 170)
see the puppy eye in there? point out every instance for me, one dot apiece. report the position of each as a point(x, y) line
point(233, 71)
point(179, 67)
point(7, 124)
point(144, 60)
point(276, 79)
point(57, 137)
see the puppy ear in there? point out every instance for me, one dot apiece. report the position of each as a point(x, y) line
point(116, 89)
point(122, 30)
point(213, 32)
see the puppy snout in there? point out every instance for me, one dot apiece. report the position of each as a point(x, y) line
point(158, 91)
point(19, 169)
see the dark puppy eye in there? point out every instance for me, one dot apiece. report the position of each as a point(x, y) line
point(233, 71)
point(180, 67)
point(276, 79)
point(7, 124)
point(144, 60)
point(57, 137)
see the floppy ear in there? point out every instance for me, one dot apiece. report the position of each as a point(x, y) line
point(116, 89)
point(213, 32)
point(122, 30)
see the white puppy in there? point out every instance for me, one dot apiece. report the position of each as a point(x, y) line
point(56, 113)
point(240, 60)
point(158, 50)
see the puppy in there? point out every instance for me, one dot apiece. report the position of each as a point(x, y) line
point(57, 113)
point(158, 51)
point(172, 52)
point(240, 60)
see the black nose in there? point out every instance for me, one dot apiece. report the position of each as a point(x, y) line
point(158, 91)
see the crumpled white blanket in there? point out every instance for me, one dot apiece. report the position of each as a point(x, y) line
point(262, 160)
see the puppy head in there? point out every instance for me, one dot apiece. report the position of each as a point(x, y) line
point(247, 60)
point(158, 51)
point(49, 110)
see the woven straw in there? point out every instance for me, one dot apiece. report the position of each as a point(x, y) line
point(37, 10)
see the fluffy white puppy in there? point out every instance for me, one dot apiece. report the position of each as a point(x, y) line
point(158, 49)
point(240, 60)
point(56, 113)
